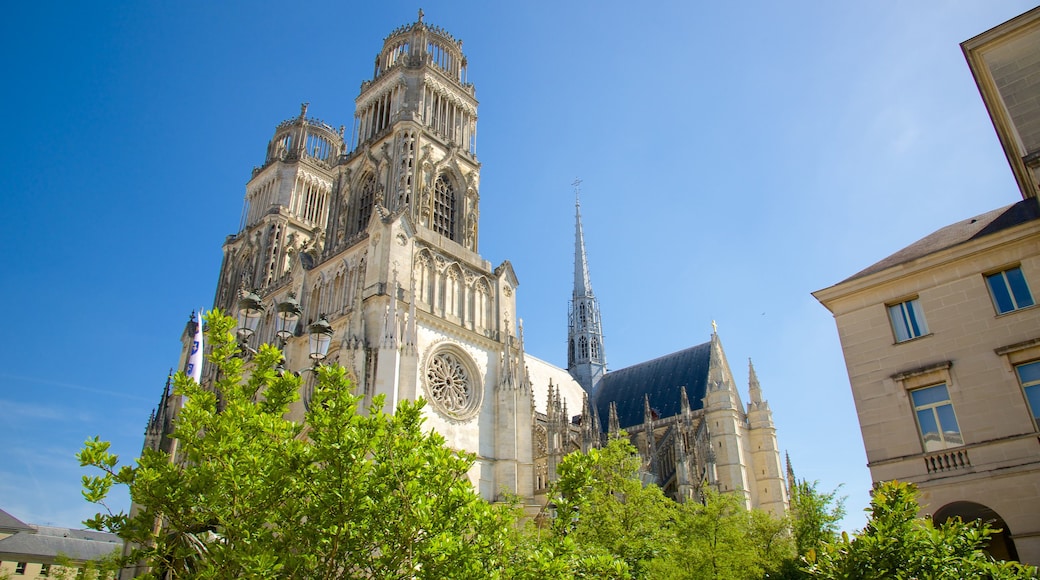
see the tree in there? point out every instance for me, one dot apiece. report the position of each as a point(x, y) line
point(720, 539)
point(623, 529)
point(254, 494)
point(898, 544)
point(815, 516)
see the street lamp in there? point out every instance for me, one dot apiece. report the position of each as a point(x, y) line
point(285, 321)
point(250, 309)
point(320, 338)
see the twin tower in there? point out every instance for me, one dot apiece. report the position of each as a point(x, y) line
point(374, 235)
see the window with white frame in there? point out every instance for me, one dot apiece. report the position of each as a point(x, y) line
point(907, 320)
point(1029, 376)
point(935, 418)
point(1009, 290)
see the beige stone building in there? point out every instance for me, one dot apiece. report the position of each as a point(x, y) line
point(942, 339)
point(372, 235)
point(32, 551)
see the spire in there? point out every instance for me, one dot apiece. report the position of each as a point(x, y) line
point(582, 283)
point(685, 401)
point(525, 379)
point(508, 376)
point(586, 360)
point(651, 438)
point(716, 372)
point(754, 389)
point(613, 424)
point(588, 430)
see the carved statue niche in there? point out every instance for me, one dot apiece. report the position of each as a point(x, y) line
point(471, 231)
point(341, 227)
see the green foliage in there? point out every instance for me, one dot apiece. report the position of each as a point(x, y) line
point(351, 492)
point(254, 494)
point(897, 544)
point(624, 529)
point(720, 539)
point(815, 516)
point(103, 568)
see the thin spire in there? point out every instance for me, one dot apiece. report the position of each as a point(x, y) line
point(613, 425)
point(754, 389)
point(586, 359)
point(582, 283)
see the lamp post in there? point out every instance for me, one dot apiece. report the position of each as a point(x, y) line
point(250, 310)
point(320, 339)
point(288, 313)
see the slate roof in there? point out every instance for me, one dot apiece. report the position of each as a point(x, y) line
point(11, 524)
point(49, 542)
point(970, 229)
point(662, 379)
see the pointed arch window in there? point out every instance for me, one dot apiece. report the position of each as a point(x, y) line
point(365, 201)
point(583, 348)
point(444, 199)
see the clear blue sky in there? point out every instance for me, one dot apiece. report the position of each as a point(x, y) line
point(735, 157)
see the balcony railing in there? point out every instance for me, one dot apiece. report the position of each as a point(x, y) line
point(947, 461)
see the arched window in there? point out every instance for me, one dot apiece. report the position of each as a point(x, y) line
point(452, 291)
point(583, 348)
point(595, 347)
point(365, 200)
point(444, 208)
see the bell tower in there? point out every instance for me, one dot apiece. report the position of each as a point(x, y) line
point(415, 127)
point(286, 211)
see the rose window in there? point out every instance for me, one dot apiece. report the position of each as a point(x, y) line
point(450, 385)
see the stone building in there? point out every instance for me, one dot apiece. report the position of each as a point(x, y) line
point(373, 235)
point(942, 339)
point(32, 551)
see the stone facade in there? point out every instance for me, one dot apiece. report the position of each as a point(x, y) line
point(377, 233)
point(942, 342)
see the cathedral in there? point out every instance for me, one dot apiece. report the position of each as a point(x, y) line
point(370, 241)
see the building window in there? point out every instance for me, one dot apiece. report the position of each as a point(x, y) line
point(1029, 376)
point(366, 199)
point(444, 208)
point(935, 418)
point(45, 570)
point(907, 320)
point(19, 568)
point(1009, 290)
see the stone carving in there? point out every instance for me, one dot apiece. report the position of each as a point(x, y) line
point(451, 388)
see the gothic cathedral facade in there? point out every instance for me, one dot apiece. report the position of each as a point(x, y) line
point(377, 233)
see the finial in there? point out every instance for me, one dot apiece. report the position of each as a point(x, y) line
point(421, 13)
point(714, 327)
point(303, 109)
point(577, 190)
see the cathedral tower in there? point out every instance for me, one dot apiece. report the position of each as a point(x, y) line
point(586, 360)
point(373, 234)
point(765, 452)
